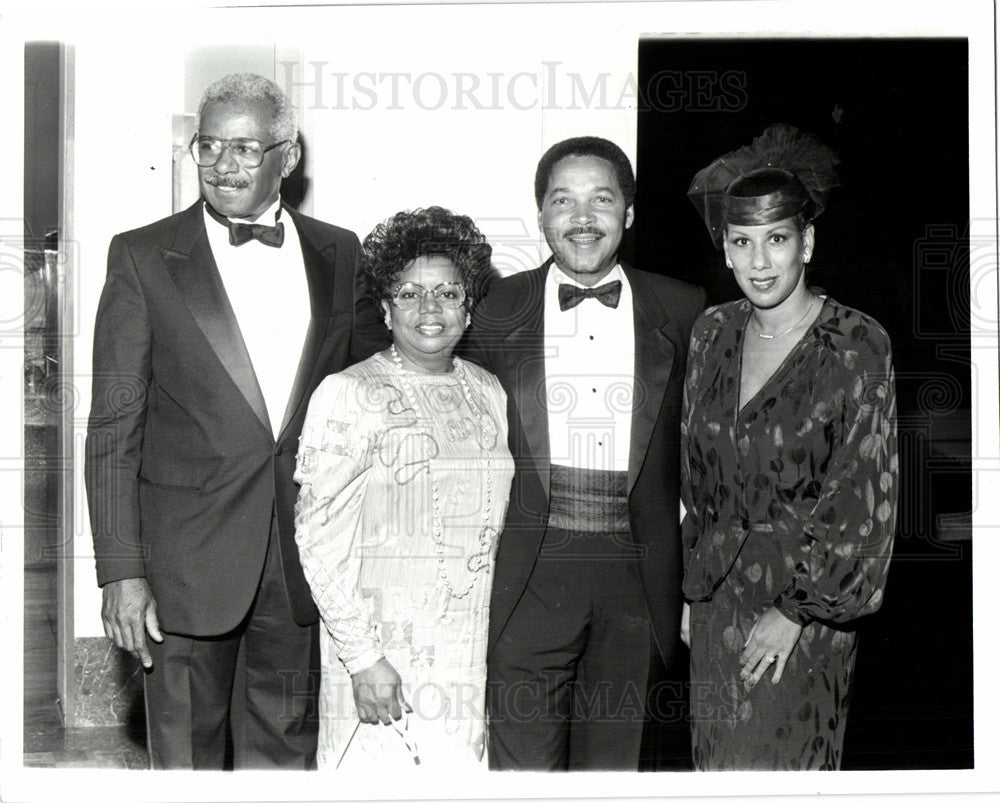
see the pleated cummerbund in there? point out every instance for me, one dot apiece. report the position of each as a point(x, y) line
point(586, 500)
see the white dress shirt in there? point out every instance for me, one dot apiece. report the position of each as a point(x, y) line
point(269, 294)
point(589, 376)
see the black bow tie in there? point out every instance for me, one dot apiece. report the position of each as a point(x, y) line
point(240, 233)
point(608, 294)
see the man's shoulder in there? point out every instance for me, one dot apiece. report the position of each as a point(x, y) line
point(676, 300)
point(666, 285)
point(522, 278)
point(313, 227)
point(164, 227)
point(321, 232)
point(517, 287)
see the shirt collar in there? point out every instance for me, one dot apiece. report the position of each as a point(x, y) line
point(267, 217)
point(557, 276)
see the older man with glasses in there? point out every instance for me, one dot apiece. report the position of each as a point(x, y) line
point(214, 327)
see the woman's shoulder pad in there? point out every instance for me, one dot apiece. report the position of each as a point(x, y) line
point(357, 374)
point(717, 316)
point(860, 326)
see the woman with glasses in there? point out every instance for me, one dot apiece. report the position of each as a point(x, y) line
point(405, 473)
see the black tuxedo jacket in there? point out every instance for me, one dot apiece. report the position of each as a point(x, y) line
point(182, 469)
point(507, 338)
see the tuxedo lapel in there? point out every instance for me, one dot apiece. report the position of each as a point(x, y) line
point(530, 385)
point(654, 359)
point(526, 373)
point(192, 267)
point(319, 267)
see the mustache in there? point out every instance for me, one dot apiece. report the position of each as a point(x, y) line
point(231, 182)
point(583, 230)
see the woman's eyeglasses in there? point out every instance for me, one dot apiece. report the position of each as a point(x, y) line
point(407, 296)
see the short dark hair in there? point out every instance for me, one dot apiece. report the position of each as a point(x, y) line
point(434, 231)
point(586, 146)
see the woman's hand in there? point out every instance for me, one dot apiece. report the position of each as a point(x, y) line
point(378, 694)
point(771, 641)
point(686, 625)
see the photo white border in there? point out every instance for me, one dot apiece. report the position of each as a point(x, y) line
point(747, 18)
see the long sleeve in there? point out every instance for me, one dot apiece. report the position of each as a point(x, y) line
point(689, 522)
point(711, 532)
point(333, 469)
point(845, 541)
point(121, 375)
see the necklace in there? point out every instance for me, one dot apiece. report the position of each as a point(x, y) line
point(478, 562)
point(792, 328)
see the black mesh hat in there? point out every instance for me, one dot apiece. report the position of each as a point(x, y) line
point(784, 172)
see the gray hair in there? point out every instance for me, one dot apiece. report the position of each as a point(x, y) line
point(246, 87)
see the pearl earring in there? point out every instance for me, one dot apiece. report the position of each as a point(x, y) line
point(388, 321)
point(729, 263)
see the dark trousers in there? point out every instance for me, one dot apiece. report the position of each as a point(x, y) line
point(261, 680)
point(567, 679)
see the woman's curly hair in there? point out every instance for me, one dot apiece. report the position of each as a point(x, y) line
point(434, 231)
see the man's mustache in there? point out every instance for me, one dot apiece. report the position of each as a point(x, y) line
point(583, 230)
point(227, 181)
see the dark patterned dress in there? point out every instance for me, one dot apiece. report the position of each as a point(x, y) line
point(791, 502)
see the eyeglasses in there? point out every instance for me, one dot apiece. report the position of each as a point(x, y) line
point(408, 295)
point(206, 151)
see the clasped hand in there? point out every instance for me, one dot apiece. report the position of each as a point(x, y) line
point(771, 641)
point(378, 694)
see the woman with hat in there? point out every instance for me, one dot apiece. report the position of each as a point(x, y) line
point(789, 468)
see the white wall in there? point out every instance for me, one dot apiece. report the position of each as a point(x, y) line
point(453, 106)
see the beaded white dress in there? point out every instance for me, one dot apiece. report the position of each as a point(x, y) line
point(404, 484)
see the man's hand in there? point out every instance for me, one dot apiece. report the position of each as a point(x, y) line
point(128, 612)
point(771, 641)
point(378, 694)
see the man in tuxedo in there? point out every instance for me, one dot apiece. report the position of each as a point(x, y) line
point(214, 327)
point(587, 587)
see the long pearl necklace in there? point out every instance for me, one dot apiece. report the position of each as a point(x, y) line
point(488, 434)
point(796, 325)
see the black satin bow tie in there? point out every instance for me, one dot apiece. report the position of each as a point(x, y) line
point(608, 294)
point(240, 233)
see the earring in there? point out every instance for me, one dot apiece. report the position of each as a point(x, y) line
point(806, 256)
point(388, 321)
point(729, 263)
point(468, 319)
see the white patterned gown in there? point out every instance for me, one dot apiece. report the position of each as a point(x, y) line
point(389, 580)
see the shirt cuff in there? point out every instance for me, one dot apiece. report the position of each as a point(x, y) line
point(366, 659)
